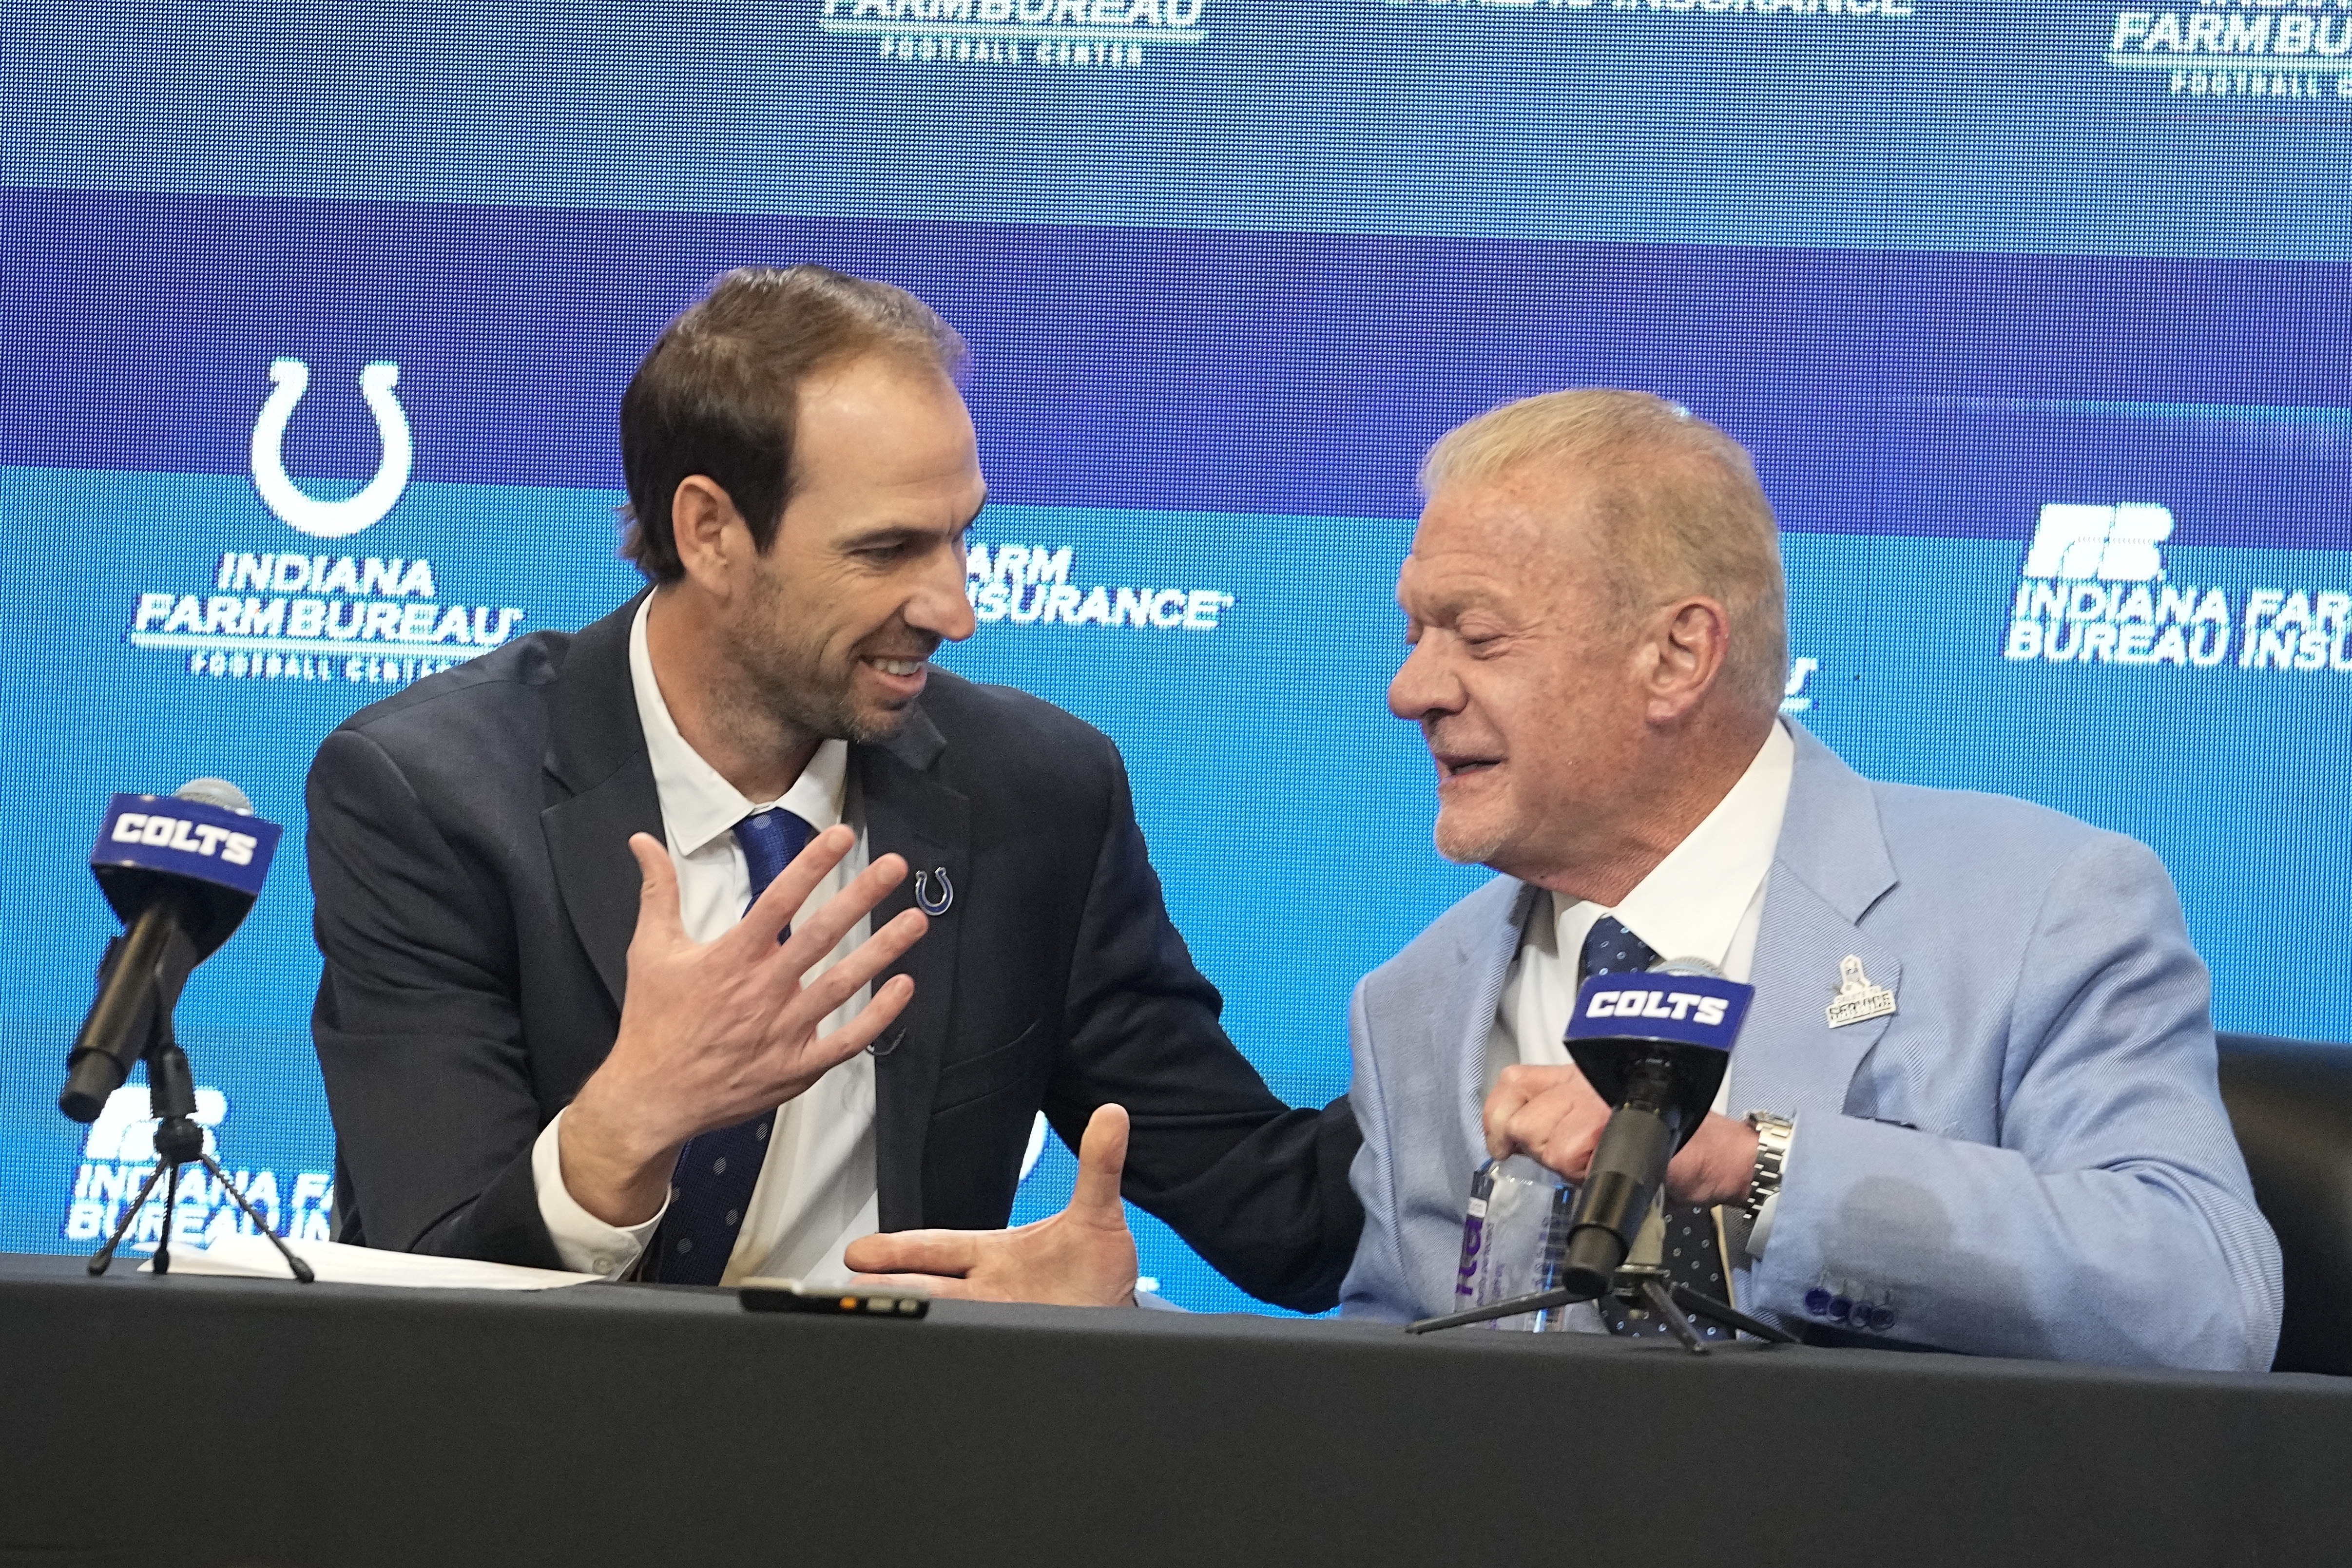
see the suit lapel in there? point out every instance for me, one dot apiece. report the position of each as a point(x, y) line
point(1483, 951)
point(599, 790)
point(1831, 868)
point(909, 812)
point(1483, 956)
point(1790, 1056)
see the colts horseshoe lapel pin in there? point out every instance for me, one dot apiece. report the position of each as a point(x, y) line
point(932, 901)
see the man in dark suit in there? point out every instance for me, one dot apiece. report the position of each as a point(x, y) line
point(552, 1034)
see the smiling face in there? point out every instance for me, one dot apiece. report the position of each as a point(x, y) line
point(864, 578)
point(1525, 684)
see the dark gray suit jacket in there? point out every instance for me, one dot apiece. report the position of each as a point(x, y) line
point(468, 850)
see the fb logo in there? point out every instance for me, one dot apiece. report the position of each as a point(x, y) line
point(2108, 543)
point(304, 512)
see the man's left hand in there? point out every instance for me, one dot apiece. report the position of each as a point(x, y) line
point(1082, 1257)
point(1552, 1116)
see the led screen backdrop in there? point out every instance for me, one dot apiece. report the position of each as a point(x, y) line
point(315, 323)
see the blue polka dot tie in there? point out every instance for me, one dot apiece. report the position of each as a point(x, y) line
point(1693, 1255)
point(711, 1190)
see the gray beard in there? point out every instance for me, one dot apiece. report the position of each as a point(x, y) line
point(1464, 848)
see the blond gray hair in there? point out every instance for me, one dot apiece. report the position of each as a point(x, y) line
point(1674, 502)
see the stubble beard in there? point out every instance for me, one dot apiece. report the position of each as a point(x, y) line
point(788, 684)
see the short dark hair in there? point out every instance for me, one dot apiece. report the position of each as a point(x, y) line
point(718, 393)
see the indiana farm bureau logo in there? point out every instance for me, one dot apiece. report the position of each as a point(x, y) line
point(288, 611)
point(2094, 589)
point(1002, 34)
point(2281, 52)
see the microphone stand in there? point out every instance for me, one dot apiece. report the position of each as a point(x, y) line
point(1636, 1285)
point(179, 1141)
point(1659, 1066)
point(1617, 1202)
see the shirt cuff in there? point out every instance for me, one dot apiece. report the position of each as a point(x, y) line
point(1759, 1235)
point(585, 1243)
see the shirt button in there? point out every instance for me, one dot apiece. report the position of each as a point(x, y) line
point(603, 1265)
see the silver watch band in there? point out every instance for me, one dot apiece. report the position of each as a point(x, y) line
point(1772, 1134)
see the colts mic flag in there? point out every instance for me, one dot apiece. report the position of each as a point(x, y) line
point(1654, 1045)
point(1674, 1014)
point(181, 871)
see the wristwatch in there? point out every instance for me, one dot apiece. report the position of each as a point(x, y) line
point(1773, 1134)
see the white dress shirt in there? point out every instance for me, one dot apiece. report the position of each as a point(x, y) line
point(816, 1190)
point(1705, 900)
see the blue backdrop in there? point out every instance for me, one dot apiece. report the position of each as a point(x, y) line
point(2035, 322)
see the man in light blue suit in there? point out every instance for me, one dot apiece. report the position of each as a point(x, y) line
point(1979, 1061)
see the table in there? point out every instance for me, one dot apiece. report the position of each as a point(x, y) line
point(211, 1422)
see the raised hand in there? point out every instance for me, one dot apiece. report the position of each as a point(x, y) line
point(713, 1033)
point(1082, 1257)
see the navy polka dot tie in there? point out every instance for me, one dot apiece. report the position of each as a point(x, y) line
point(1693, 1255)
point(711, 1190)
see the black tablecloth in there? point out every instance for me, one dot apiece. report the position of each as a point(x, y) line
point(209, 1422)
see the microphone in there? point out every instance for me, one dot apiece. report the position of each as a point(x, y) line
point(1654, 1045)
point(181, 872)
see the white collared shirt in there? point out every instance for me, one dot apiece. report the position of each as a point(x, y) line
point(1705, 900)
point(816, 1190)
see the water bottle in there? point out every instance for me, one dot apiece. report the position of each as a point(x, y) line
point(1512, 1235)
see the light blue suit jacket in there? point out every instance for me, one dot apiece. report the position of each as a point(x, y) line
point(2030, 1159)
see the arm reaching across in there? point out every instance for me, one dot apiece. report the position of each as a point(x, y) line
point(1082, 1257)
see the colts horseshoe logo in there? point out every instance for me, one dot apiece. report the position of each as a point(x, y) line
point(929, 902)
point(304, 512)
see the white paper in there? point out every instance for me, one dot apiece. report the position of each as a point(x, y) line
point(253, 1258)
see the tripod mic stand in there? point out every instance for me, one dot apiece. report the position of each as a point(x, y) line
point(1636, 1285)
point(1636, 1277)
point(1654, 1045)
point(179, 1141)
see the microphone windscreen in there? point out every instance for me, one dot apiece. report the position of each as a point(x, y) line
point(215, 792)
